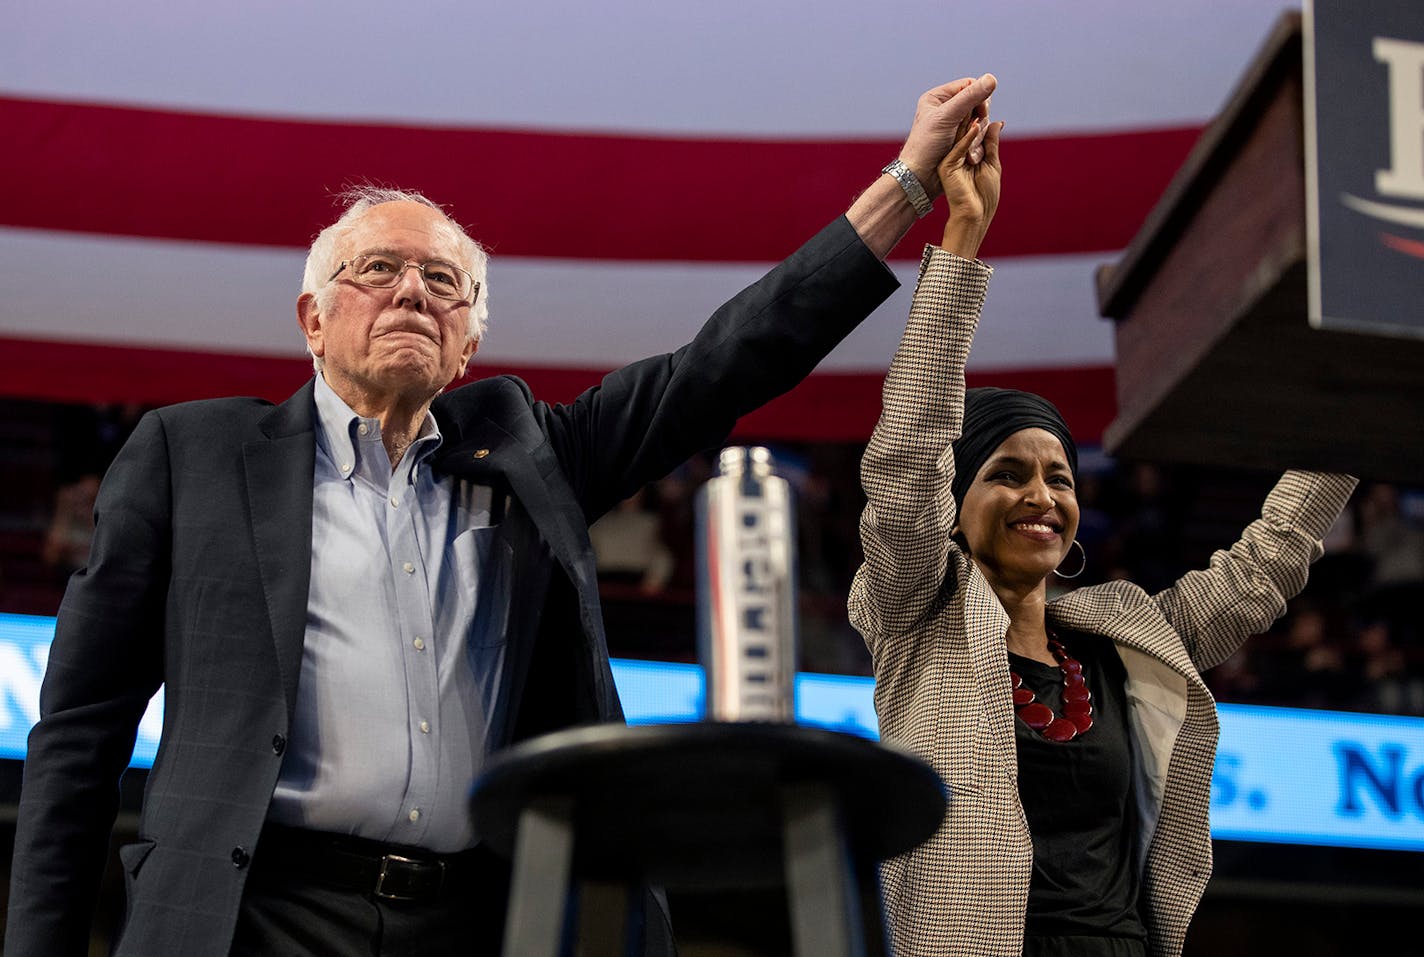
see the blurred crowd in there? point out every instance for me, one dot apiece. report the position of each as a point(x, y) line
point(1352, 641)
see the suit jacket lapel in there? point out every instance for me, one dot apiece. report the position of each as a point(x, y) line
point(1138, 626)
point(279, 472)
point(1160, 676)
point(542, 529)
point(489, 455)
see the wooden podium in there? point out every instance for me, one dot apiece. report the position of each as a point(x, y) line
point(1217, 363)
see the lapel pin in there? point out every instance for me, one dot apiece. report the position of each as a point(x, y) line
point(481, 453)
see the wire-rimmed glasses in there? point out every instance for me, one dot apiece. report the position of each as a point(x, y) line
point(442, 280)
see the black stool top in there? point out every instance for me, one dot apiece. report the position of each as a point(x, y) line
point(700, 805)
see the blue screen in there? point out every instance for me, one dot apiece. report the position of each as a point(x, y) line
point(1283, 775)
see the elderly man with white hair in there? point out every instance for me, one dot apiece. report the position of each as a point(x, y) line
point(355, 597)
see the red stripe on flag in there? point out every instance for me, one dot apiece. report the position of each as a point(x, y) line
point(172, 175)
point(828, 407)
point(844, 407)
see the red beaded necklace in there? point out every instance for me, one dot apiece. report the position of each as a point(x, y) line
point(1077, 699)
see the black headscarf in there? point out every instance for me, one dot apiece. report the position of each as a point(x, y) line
point(992, 415)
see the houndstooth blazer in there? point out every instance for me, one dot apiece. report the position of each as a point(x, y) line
point(936, 633)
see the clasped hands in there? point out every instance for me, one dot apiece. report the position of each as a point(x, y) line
point(954, 149)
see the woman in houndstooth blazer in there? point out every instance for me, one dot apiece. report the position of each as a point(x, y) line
point(1095, 845)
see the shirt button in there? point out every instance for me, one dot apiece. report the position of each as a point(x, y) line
point(409, 568)
point(363, 428)
point(395, 502)
point(419, 644)
point(414, 814)
point(345, 468)
point(425, 727)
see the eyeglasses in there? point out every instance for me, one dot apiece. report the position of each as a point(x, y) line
point(442, 280)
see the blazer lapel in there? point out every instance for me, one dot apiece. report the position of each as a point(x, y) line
point(488, 455)
point(540, 527)
point(279, 490)
point(1160, 676)
point(1138, 625)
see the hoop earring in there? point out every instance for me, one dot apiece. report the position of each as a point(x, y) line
point(1081, 568)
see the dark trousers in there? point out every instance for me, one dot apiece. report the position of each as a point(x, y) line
point(287, 913)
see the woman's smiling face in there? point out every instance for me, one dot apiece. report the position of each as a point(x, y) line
point(1020, 514)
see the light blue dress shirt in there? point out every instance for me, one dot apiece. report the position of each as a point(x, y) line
point(404, 642)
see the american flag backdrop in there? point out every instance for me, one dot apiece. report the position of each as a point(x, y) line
point(629, 165)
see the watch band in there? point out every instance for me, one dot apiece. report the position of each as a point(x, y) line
point(910, 183)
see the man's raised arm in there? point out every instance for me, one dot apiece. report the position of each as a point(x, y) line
point(886, 211)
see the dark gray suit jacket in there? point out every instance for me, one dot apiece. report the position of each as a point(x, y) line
point(198, 580)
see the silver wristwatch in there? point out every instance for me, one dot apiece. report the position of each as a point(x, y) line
point(910, 183)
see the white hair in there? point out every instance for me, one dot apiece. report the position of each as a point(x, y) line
point(322, 259)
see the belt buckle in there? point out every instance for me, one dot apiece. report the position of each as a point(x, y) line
point(401, 882)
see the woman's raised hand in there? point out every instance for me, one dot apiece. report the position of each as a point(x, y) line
point(970, 174)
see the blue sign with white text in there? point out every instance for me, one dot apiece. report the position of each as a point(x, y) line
point(1283, 775)
point(1319, 777)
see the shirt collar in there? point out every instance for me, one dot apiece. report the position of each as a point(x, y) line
point(354, 444)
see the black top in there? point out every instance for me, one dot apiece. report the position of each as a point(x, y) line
point(1077, 796)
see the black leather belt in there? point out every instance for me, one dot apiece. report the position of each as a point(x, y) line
point(388, 871)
